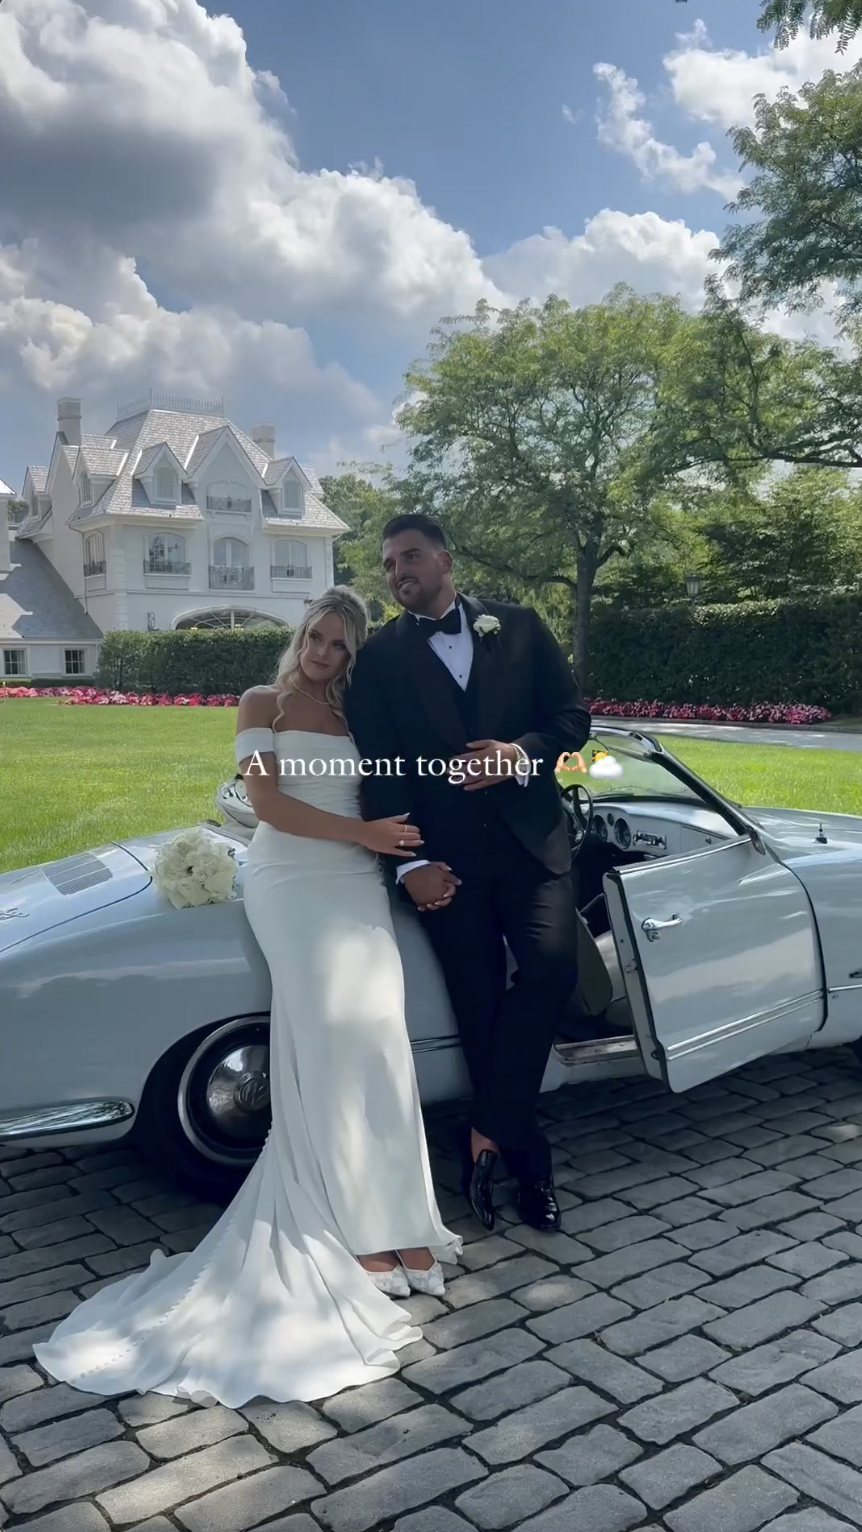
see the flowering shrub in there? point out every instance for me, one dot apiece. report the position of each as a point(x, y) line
point(797, 713)
point(95, 696)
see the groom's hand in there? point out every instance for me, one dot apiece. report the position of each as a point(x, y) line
point(432, 886)
point(487, 761)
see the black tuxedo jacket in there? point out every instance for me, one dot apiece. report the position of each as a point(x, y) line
point(403, 703)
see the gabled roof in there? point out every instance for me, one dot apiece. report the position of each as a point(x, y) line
point(36, 602)
point(278, 468)
point(316, 517)
point(5, 490)
point(101, 458)
point(129, 447)
point(207, 441)
point(38, 478)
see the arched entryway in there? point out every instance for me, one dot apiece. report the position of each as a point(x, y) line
point(227, 617)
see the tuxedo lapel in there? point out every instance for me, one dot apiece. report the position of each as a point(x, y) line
point(432, 682)
point(487, 675)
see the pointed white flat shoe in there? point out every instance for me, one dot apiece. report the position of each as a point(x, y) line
point(393, 1283)
point(430, 1281)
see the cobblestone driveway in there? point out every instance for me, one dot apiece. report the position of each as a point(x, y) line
point(684, 1357)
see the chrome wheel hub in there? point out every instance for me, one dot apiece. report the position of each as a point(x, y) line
point(224, 1097)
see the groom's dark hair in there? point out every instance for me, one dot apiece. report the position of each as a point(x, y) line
point(415, 521)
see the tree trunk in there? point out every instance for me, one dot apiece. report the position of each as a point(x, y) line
point(581, 618)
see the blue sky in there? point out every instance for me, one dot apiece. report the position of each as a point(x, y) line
point(277, 204)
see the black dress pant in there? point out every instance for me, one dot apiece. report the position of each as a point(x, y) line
point(507, 1034)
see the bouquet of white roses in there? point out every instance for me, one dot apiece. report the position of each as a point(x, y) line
point(195, 868)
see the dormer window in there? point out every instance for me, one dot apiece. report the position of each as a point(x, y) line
point(165, 484)
point(85, 488)
point(292, 498)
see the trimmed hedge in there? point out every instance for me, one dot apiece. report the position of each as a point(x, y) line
point(205, 660)
point(790, 651)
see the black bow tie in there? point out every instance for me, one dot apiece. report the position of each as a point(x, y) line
point(451, 623)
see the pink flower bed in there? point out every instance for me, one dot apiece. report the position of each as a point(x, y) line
point(797, 713)
point(94, 696)
point(690, 712)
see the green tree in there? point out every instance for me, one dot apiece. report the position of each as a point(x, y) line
point(801, 533)
point(787, 17)
point(735, 398)
point(18, 511)
point(528, 434)
point(366, 507)
point(803, 204)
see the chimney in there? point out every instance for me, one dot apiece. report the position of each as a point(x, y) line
point(69, 420)
point(5, 555)
point(264, 438)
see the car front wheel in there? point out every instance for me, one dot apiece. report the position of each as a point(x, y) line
point(205, 1112)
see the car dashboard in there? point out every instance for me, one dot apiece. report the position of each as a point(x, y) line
point(657, 829)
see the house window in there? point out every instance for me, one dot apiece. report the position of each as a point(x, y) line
point(292, 496)
point(293, 561)
point(15, 662)
point(94, 554)
point(230, 552)
point(230, 568)
point(165, 484)
point(75, 662)
point(86, 488)
point(166, 554)
point(230, 497)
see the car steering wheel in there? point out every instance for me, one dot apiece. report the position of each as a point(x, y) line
point(581, 807)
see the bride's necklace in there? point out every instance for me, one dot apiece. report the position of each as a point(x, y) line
point(299, 689)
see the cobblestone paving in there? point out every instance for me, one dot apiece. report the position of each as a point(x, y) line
point(683, 1358)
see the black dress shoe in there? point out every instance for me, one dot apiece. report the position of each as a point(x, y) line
point(478, 1186)
point(537, 1204)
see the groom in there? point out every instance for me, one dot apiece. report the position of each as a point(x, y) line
point(478, 702)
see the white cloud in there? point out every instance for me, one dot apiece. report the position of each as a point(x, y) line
point(143, 121)
point(651, 253)
point(719, 84)
point(623, 127)
point(126, 340)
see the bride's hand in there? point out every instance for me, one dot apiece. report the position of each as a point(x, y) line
point(391, 837)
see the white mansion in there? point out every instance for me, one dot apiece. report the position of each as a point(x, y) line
point(174, 518)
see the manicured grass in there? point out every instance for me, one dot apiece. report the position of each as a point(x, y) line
point(76, 777)
point(776, 776)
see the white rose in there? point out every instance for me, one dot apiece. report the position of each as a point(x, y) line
point(486, 624)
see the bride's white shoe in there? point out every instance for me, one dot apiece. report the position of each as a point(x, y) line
point(393, 1283)
point(430, 1281)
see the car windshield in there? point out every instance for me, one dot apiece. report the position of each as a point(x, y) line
point(612, 766)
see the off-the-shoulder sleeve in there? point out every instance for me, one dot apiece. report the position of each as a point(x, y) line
point(250, 740)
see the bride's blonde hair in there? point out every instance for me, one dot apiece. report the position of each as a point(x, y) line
point(342, 602)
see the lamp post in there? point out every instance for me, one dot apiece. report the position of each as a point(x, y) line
point(692, 587)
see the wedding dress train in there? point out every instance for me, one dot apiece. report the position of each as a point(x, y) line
point(272, 1303)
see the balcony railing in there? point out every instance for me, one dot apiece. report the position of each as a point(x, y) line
point(231, 577)
point(290, 571)
point(166, 566)
point(228, 503)
point(95, 567)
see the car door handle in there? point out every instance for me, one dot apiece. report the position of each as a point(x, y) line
point(654, 928)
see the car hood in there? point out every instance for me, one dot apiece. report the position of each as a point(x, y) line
point(34, 900)
point(798, 829)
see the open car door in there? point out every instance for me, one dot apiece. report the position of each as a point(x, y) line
point(721, 959)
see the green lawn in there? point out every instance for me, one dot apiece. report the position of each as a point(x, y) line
point(75, 777)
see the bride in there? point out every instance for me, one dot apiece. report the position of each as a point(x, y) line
point(290, 1296)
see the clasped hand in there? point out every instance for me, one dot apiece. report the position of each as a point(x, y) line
point(485, 762)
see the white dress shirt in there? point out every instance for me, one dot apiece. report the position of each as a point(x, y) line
point(456, 652)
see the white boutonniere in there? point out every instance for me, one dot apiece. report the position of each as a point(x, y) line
point(486, 624)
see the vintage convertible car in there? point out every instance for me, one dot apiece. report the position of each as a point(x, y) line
point(710, 936)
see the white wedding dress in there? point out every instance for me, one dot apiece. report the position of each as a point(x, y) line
point(272, 1303)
